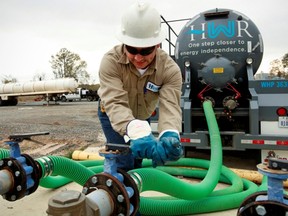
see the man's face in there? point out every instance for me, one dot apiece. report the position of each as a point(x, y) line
point(141, 57)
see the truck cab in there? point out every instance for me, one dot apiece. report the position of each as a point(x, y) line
point(77, 95)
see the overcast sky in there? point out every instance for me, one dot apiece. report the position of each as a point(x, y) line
point(33, 30)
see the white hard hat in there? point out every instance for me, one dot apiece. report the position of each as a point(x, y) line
point(141, 26)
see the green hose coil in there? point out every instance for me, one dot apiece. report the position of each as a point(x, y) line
point(180, 198)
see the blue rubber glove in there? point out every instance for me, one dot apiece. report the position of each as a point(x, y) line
point(170, 141)
point(143, 147)
point(142, 143)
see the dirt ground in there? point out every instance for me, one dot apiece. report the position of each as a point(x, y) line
point(71, 126)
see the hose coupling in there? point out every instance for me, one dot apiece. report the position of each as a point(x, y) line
point(137, 179)
point(47, 166)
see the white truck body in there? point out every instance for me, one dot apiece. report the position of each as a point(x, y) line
point(10, 92)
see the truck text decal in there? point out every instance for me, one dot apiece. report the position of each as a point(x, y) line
point(214, 31)
point(274, 84)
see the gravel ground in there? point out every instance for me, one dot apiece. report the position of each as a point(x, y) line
point(71, 126)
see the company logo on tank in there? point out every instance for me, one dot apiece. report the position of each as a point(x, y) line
point(235, 34)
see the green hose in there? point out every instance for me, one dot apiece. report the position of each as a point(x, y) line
point(150, 206)
point(210, 181)
point(184, 193)
point(227, 198)
point(172, 206)
point(58, 181)
point(181, 198)
point(64, 169)
point(4, 153)
point(56, 165)
point(263, 185)
point(227, 177)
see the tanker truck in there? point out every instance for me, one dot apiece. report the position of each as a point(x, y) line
point(219, 51)
point(49, 89)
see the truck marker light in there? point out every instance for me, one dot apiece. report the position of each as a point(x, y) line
point(189, 140)
point(261, 142)
point(265, 142)
point(281, 111)
point(282, 142)
point(185, 140)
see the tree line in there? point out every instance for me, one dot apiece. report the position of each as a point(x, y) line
point(279, 67)
point(68, 64)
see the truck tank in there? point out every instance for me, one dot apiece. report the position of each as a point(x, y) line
point(215, 46)
point(213, 50)
point(39, 86)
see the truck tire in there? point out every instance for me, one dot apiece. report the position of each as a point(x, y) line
point(63, 99)
point(3, 102)
point(13, 102)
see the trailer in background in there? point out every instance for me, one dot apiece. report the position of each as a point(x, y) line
point(49, 89)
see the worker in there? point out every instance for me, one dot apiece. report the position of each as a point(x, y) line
point(135, 76)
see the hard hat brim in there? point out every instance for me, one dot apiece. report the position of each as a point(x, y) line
point(140, 42)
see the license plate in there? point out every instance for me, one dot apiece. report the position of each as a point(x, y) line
point(283, 121)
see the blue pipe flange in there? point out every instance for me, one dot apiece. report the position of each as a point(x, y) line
point(273, 201)
point(257, 204)
point(25, 172)
point(114, 188)
point(19, 178)
point(35, 175)
point(121, 188)
point(25, 178)
point(130, 183)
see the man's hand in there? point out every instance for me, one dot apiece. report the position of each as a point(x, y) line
point(144, 145)
point(142, 141)
point(170, 141)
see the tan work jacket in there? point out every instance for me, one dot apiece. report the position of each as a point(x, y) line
point(126, 94)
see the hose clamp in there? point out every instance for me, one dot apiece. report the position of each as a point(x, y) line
point(48, 165)
point(137, 179)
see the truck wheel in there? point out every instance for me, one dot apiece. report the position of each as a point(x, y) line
point(13, 102)
point(63, 99)
point(90, 98)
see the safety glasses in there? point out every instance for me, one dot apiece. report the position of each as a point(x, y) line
point(140, 51)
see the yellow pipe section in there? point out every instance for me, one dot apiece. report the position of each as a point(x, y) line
point(82, 155)
point(252, 175)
